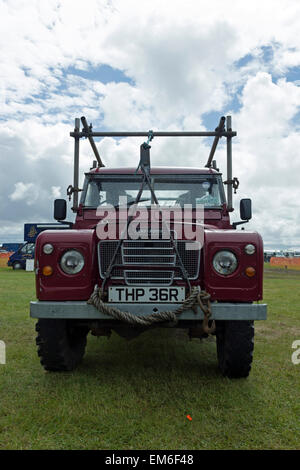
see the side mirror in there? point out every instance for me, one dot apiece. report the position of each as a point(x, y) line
point(60, 209)
point(246, 209)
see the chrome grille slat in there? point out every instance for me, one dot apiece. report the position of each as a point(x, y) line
point(146, 256)
point(155, 247)
point(136, 252)
point(149, 277)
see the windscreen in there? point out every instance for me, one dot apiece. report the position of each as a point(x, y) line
point(174, 190)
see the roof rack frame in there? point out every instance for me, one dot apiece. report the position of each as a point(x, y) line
point(87, 132)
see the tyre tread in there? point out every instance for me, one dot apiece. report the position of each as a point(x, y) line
point(54, 348)
point(235, 346)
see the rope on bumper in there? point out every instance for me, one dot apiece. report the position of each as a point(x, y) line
point(201, 298)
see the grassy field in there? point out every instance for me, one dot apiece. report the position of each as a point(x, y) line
point(136, 395)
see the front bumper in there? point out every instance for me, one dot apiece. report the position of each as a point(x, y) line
point(82, 310)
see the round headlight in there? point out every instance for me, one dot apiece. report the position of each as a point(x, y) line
point(48, 249)
point(250, 249)
point(72, 262)
point(225, 262)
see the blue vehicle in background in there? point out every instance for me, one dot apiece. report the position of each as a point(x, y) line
point(26, 251)
point(10, 247)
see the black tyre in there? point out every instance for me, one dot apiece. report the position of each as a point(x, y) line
point(17, 265)
point(235, 344)
point(61, 343)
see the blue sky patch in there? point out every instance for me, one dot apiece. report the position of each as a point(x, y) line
point(243, 61)
point(293, 74)
point(102, 73)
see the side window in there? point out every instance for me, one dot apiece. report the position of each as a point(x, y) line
point(92, 198)
point(30, 249)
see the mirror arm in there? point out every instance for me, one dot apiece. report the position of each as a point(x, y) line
point(65, 222)
point(239, 223)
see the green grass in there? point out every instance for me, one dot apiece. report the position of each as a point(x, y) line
point(136, 394)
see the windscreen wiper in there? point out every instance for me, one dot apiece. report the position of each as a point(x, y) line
point(130, 203)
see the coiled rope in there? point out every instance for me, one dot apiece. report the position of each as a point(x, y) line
point(196, 297)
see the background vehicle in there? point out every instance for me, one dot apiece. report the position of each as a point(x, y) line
point(10, 247)
point(87, 280)
point(26, 250)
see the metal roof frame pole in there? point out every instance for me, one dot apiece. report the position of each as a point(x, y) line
point(88, 133)
point(229, 164)
point(75, 188)
point(219, 130)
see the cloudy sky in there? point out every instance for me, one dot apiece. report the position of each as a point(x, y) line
point(140, 65)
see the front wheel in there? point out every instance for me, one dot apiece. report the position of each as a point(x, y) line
point(235, 344)
point(61, 343)
point(17, 265)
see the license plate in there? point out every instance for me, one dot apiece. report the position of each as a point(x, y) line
point(146, 294)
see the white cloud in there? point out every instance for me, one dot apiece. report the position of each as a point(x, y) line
point(267, 135)
point(55, 192)
point(266, 157)
point(24, 192)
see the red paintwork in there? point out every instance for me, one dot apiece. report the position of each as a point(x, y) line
point(236, 286)
point(217, 235)
point(61, 286)
point(87, 218)
point(156, 170)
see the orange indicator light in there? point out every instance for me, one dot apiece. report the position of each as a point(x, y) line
point(47, 270)
point(250, 272)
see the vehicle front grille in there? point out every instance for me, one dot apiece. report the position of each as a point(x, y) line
point(148, 252)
